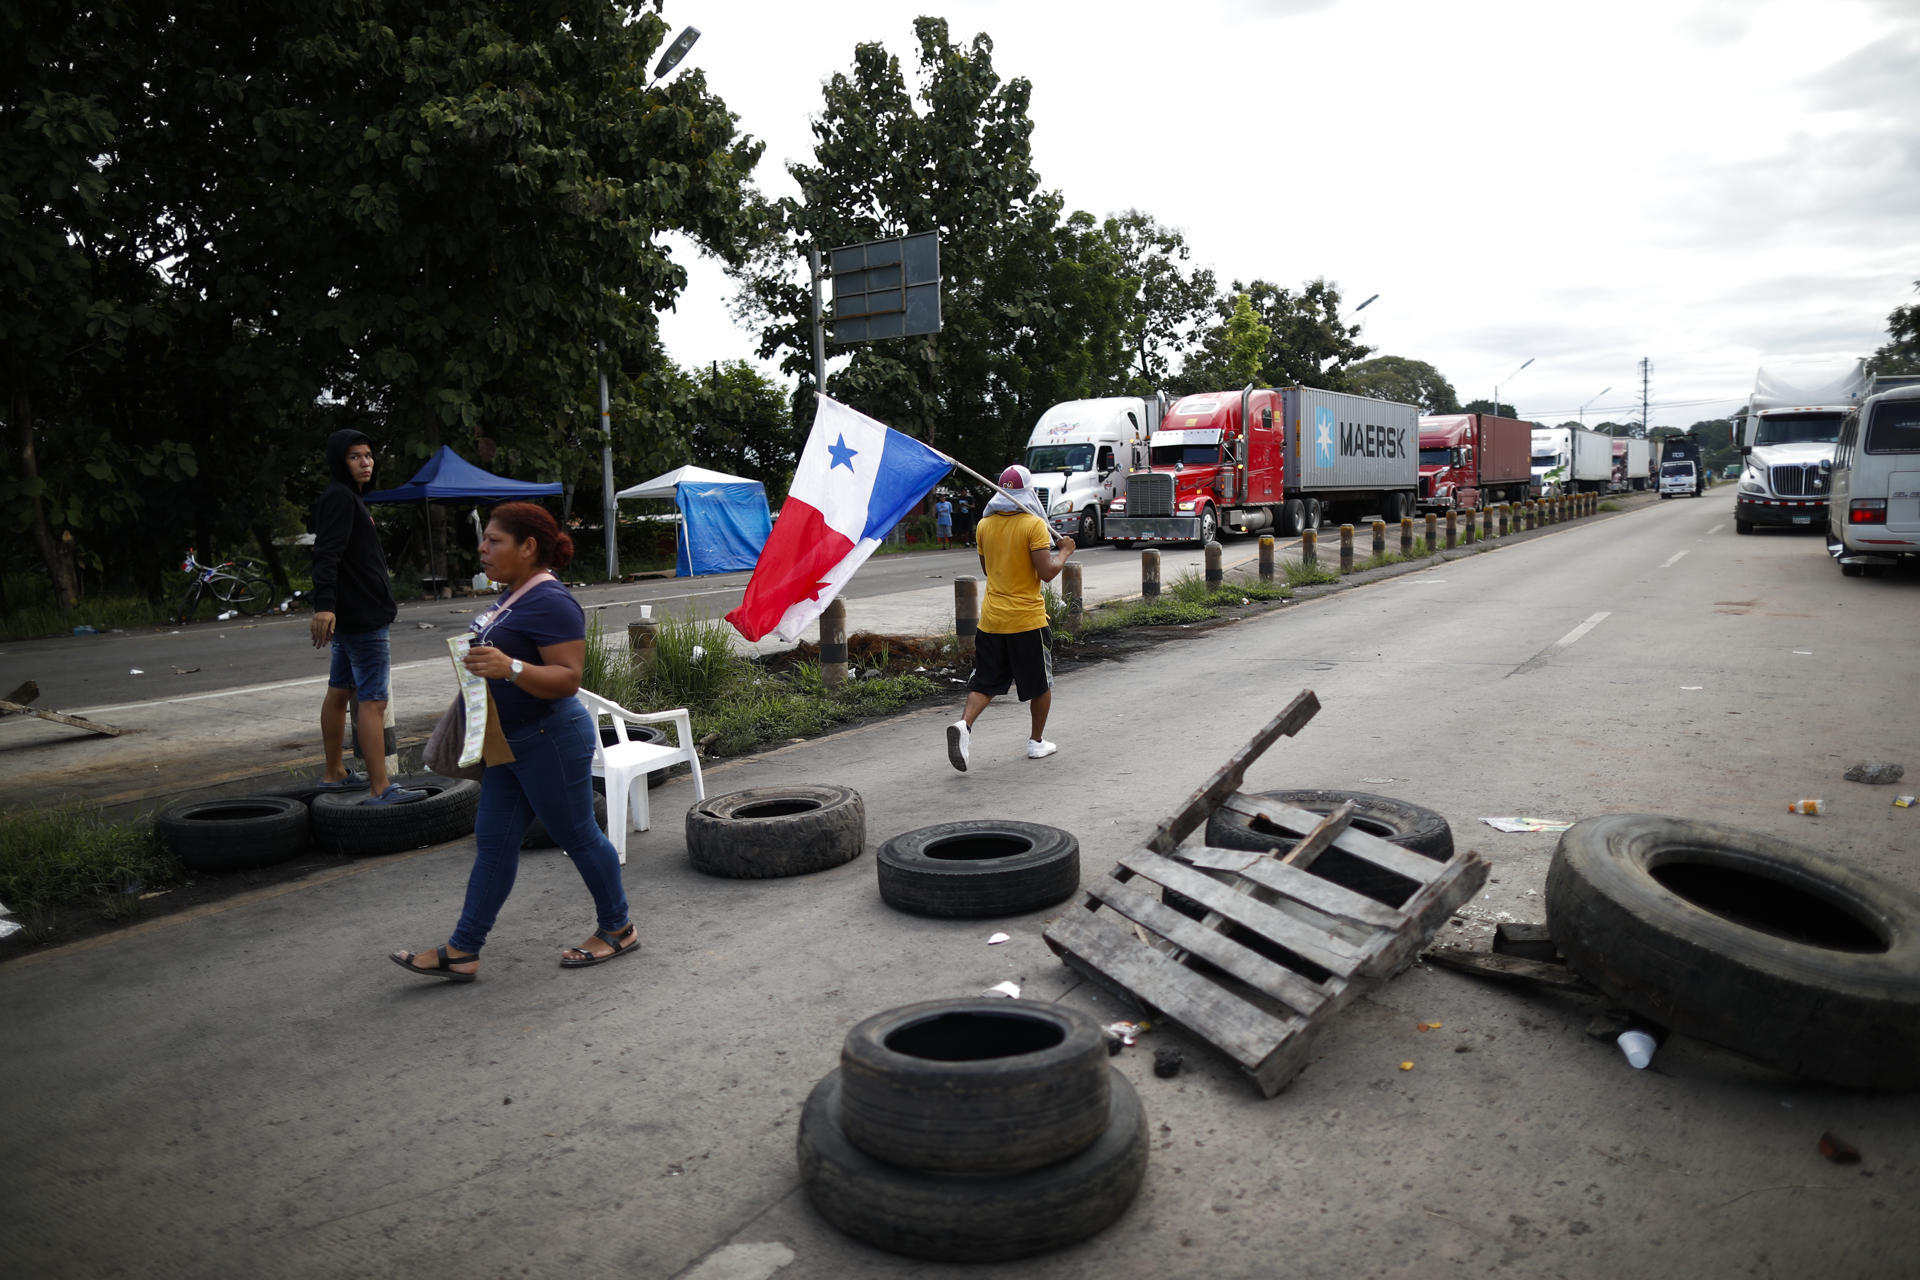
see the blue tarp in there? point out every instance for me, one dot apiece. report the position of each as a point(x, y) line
point(448, 477)
point(724, 519)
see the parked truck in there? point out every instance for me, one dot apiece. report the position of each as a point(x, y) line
point(1260, 459)
point(1632, 460)
point(1471, 460)
point(1786, 435)
point(1570, 460)
point(1080, 454)
point(1681, 449)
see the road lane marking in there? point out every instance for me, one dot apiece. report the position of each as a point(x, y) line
point(1541, 658)
point(1717, 528)
point(1673, 559)
point(252, 688)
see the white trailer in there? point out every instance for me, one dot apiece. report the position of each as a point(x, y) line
point(1571, 460)
point(1080, 453)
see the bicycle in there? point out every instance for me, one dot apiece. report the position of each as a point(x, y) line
point(228, 583)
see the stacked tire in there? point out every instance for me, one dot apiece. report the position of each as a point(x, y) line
point(974, 1130)
point(239, 834)
point(342, 824)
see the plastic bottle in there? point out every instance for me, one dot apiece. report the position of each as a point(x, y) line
point(1811, 805)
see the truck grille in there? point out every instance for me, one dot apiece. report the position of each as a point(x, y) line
point(1046, 498)
point(1797, 481)
point(1149, 493)
point(1426, 487)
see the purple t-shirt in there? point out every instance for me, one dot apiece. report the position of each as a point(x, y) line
point(547, 614)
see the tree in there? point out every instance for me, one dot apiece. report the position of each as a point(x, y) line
point(1308, 344)
point(1483, 405)
point(1406, 381)
point(1902, 355)
point(1171, 306)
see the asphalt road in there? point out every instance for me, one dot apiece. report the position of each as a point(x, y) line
point(254, 1090)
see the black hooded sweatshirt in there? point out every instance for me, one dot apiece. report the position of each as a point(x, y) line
point(349, 571)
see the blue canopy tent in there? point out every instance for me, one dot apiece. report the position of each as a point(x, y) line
point(724, 519)
point(448, 477)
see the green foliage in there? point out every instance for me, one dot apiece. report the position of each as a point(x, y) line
point(765, 707)
point(1299, 575)
point(1307, 343)
point(1172, 304)
point(1484, 405)
point(1405, 381)
point(68, 856)
point(1902, 354)
point(694, 664)
point(32, 611)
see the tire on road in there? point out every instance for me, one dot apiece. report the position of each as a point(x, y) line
point(342, 824)
point(975, 1085)
point(978, 868)
point(538, 837)
point(959, 1217)
point(790, 830)
point(1414, 828)
point(236, 834)
point(1757, 944)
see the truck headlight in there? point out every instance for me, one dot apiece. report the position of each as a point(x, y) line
point(1185, 506)
point(1750, 485)
point(1062, 507)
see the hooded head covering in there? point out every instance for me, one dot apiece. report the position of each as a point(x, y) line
point(337, 445)
point(1016, 495)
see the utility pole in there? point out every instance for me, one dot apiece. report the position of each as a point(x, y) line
point(1646, 372)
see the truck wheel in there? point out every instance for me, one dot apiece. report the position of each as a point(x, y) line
point(1293, 517)
point(790, 830)
point(342, 824)
point(1209, 526)
point(959, 1217)
point(977, 868)
point(234, 835)
point(1754, 943)
point(1739, 525)
point(975, 1085)
point(1314, 513)
point(1412, 827)
point(1089, 535)
point(1853, 570)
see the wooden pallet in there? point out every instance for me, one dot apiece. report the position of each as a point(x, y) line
point(1277, 950)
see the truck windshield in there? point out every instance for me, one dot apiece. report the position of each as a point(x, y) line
point(1186, 455)
point(1436, 457)
point(1546, 459)
point(1798, 428)
point(1676, 468)
point(1060, 457)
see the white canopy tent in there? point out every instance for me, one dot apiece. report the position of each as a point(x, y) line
point(724, 519)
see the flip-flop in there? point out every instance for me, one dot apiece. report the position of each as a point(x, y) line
point(440, 970)
point(612, 940)
point(352, 782)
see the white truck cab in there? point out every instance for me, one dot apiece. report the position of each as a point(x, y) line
point(1080, 453)
point(1676, 480)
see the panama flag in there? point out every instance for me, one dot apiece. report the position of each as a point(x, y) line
point(855, 481)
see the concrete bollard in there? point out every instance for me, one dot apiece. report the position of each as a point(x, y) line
point(643, 641)
point(1215, 576)
point(1433, 522)
point(1486, 523)
point(1071, 592)
point(1379, 537)
point(1406, 535)
point(1149, 574)
point(1266, 557)
point(1453, 529)
point(1309, 549)
point(833, 645)
point(966, 613)
point(1504, 508)
point(1346, 548)
point(1466, 528)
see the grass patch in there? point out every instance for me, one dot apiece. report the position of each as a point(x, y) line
point(1610, 505)
point(1300, 575)
point(1384, 559)
point(67, 856)
point(1192, 588)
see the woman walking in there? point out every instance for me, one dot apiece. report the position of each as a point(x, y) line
point(531, 648)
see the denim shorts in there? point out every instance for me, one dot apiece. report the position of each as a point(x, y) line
point(360, 661)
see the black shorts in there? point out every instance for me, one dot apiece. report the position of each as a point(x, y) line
point(1002, 660)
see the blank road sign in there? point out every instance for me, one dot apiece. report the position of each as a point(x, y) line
point(886, 288)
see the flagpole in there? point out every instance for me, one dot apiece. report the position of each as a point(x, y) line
point(994, 484)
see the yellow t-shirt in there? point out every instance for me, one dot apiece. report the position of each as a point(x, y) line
point(1007, 544)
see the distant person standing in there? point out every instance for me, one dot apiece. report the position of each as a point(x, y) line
point(1013, 646)
point(352, 608)
point(963, 519)
point(943, 523)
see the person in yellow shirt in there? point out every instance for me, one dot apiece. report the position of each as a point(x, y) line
point(1013, 647)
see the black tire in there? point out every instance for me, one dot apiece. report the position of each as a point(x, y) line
point(1315, 513)
point(251, 596)
point(538, 837)
point(1754, 943)
point(342, 824)
point(1412, 827)
point(234, 835)
point(978, 868)
point(189, 604)
point(978, 1085)
point(1739, 525)
point(1853, 571)
point(1293, 518)
point(790, 830)
point(959, 1217)
point(1089, 535)
point(1209, 526)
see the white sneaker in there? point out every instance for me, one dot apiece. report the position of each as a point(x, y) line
point(959, 744)
point(1039, 750)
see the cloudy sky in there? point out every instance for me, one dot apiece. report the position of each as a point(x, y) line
point(1699, 182)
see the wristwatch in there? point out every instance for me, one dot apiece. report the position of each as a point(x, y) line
point(513, 672)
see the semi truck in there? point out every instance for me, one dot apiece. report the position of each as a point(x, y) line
point(1632, 460)
point(1080, 453)
point(1570, 460)
point(1681, 449)
point(1786, 435)
point(1261, 458)
point(1471, 460)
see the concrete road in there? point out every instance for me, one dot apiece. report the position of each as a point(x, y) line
point(255, 1091)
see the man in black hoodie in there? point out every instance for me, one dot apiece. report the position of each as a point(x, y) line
point(352, 607)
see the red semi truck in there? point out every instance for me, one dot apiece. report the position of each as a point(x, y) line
point(1470, 460)
point(1259, 459)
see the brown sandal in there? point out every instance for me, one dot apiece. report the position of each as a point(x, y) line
point(444, 969)
point(614, 940)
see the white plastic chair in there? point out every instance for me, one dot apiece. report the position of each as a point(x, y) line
point(626, 763)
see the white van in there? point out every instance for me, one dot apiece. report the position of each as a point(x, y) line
point(1873, 507)
point(1677, 479)
point(1080, 453)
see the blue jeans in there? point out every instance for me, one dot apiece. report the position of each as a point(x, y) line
point(551, 778)
point(359, 660)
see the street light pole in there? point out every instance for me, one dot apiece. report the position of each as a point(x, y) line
point(669, 59)
point(1509, 378)
point(1583, 408)
point(1363, 306)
